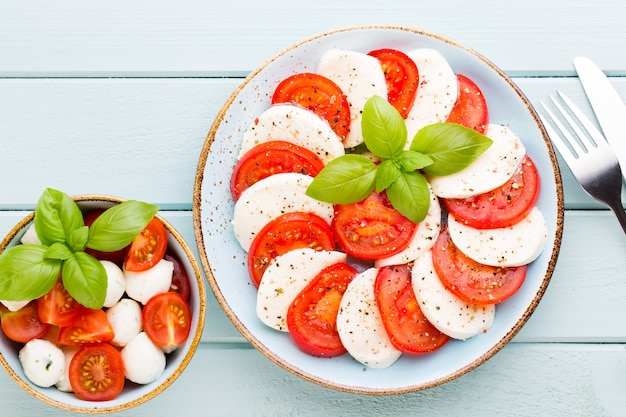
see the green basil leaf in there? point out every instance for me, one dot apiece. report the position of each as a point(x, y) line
point(411, 160)
point(344, 180)
point(26, 274)
point(56, 216)
point(85, 279)
point(384, 130)
point(117, 226)
point(410, 195)
point(58, 251)
point(386, 174)
point(452, 147)
point(78, 239)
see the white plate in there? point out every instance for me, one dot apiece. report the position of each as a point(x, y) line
point(224, 260)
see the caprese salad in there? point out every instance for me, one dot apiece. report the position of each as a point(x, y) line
point(382, 213)
point(94, 299)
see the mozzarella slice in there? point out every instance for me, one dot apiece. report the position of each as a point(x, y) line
point(448, 313)
point(490, 170)
point(360, 77)
point(437, 91)
point(360, 325)
point(296, 125)
point(285, 277)
point(271, 197)
point(423, 239)
point(511, 246)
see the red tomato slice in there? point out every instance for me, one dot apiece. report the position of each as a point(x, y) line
point(290, 231)
point(148, 247)
point(318, 94)
point(472, 281)
point(371, 229)
point(96, 373)
point(402, 78)
point(92, 326)
point(167, 319)
point(22, 325)
point(312, 316)
point(57, 307)
point(116, 257)
point(180, 279)
point(273, 157)
point(502, 207)
point(470, 109)
point(407, 327)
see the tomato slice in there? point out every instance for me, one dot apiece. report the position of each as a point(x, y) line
point(407, 327)
point(371, 229)
point(22, 325)
point(270, 158)
point(402, 77)
point(318, 94)
point(148, 247)
point(290, 231)
point(180, 278)
point(470, 109)
point(167, 319)
point(92, 326)
point(57, 307)
point(472, 281)
point(312, 316)
point(502, 207)
point(116, 257)
point(96, 373)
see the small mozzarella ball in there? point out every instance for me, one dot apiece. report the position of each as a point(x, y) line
point(125, 319)
point(63, 384)
point(116, 283)
point(144, 362)
point(30, 236)
point(142, 286)
point(14, 305)
point(43, 362)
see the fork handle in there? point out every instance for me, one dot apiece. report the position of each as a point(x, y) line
point(618, 210)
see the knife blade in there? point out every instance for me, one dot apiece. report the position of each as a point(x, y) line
point(607, 105)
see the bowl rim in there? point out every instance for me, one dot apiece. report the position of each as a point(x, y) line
point(193, 345)
point(252, 339)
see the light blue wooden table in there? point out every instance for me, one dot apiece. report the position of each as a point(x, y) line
point(117, 97)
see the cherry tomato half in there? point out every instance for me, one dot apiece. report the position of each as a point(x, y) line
point(318, 94)
point(96, 372)
point(117, 257)
point(402, 77)
point(287, 232)
point(167, 319)
point(22, 325)
point(371, 229)
point(148, 247)
point(472, 281)
point(312, 316)
point(92, 326)
point(502, 207)
point(470, 109)
point(407, 327)
point(180, 278)
point(57, 307)
point(273, 157)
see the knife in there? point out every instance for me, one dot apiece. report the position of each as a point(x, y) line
point(607, 105)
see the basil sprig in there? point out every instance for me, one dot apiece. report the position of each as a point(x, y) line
point(437, 149)
point(29, 271)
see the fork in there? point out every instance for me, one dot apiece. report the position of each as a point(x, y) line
point(590, 159)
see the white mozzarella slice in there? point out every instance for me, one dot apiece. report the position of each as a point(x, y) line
point(296, 125)
point(490, 170)
point(511, 246)
point(436, 93)
point(448, 313)
point(271, 197)
point(423, 239)
point(360, 325)
point(360, 77)
point(285, 277)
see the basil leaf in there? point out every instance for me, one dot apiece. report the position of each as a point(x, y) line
point(25, 273)
point(411, 160)
point(78, 239)
point(386, 174)
point(117, 226)
point(452, 147)
point(56, 216)
point(85, 279)
point(58, 251)
point(344, 180)
point(384, 130)
point(410, 195)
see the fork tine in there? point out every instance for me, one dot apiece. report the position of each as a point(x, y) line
point(557, 138)
point(595, 134)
